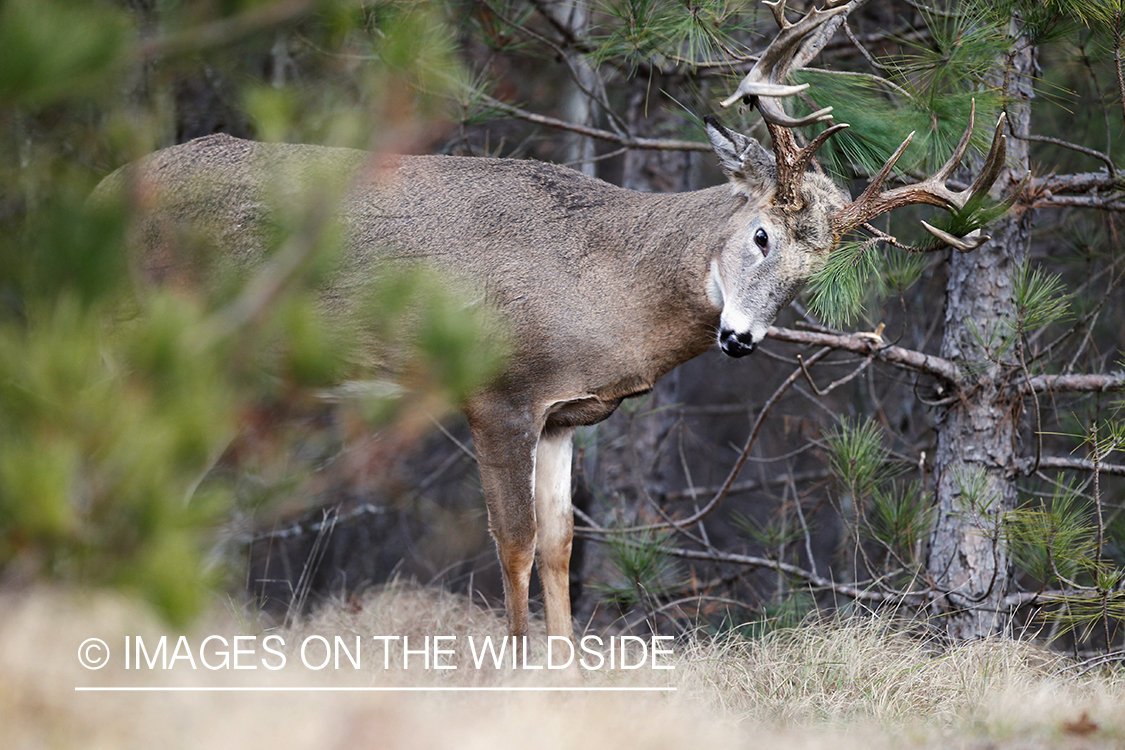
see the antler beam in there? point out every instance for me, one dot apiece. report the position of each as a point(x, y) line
point(874, 201)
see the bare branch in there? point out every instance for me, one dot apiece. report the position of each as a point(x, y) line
point(1114, 381)
point(1065, 463)
point(1080, 201)
point(1080, 182)
point(862, 50)
point(1073, 147)
point(894, 355)
point(743, 456)
point(654, 144)
point(797, 572)
point(749, 485)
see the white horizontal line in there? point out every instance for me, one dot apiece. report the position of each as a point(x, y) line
point(370, 689)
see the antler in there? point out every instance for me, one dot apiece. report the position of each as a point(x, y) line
point(874, 201)
point(762, 85)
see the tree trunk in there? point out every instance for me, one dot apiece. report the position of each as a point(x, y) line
point(977, 436)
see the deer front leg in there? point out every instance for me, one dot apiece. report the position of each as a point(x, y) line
point(555, 524)
point(505, 438)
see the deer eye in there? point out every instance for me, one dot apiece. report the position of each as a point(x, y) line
point(762, 240)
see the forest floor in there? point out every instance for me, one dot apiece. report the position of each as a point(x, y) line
point(866, 685)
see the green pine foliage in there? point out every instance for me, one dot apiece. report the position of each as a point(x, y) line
point(927, 90)
point(900, 517)
point(117, 401)
point(643, 570)
point(631, 33)
point(857, 457)
point(1041, 299)
point(894, 514)
point(1053, 541)
point(839, 290)
point(899, 270)
point(774, 534)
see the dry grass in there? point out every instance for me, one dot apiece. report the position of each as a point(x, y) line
point(857, 686)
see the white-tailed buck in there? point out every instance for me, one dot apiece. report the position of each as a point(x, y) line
point(604, 289)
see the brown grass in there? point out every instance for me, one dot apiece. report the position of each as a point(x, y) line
point(855, 686)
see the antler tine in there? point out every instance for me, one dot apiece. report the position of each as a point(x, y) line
point(966, 244)
point(801, 163)
point(869, 204)
point(953, 161)
point(762, 83)
point(777, 7)
point(994, 163)
point(933, 190)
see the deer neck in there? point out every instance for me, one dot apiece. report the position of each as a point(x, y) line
point(680, 233)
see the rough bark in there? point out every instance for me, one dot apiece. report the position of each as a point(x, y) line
point(977, 436)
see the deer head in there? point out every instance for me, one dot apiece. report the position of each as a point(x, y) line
point(804, 206)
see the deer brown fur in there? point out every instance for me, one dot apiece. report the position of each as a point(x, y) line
point(604, 289)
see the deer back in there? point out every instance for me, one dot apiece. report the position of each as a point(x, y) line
point(605, 289)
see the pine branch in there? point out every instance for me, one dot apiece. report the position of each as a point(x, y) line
point(894, 355)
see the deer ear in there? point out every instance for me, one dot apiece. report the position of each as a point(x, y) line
point(741, 157)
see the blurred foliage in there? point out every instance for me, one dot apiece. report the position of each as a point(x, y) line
point(115, 405)
point(117, 408)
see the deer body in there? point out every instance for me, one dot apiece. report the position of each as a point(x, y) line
point(604, 289)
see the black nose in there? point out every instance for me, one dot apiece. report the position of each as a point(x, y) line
point(735, 344)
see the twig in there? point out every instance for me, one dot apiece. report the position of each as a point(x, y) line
point(461, 446)
point(804, 524)
point(1073, 147)
point(654, 144)
point(1117, 59)
point(862, 50)
point(1090, 664)
point(725, 488)
point(835, 383)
